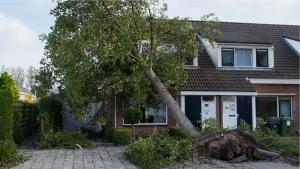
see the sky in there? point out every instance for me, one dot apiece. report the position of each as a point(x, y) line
point(22, 21)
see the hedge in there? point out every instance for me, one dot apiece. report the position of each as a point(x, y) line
point(122, 136)
point(6, 103)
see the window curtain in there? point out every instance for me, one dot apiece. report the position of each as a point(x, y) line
point(243, 57)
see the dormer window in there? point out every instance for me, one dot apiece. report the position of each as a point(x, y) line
point(261, 57)
point(247, 57)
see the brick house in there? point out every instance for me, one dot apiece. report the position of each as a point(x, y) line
point(251, 71)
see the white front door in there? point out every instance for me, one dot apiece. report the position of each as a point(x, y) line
point(208, 107)
point(229, 112)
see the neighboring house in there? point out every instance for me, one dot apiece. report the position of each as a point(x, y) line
point(26, 96)
point(251, 71)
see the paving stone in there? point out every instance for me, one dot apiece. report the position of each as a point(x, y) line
point(111, 157)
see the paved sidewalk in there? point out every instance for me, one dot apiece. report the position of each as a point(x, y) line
point(97, 158)
point(110, 157)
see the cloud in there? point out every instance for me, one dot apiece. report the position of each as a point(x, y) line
point(19, 45)
point(257, 11)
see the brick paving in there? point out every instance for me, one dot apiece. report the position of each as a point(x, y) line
point(97, 158)
point(110, 157)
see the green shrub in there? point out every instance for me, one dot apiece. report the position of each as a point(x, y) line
point(50, 110)
point(122, 136)
point(7, 83)
point(69, 139)
point(209, 126)
point(8, 153)
point(244, 125)
point(272, 140)
point(6, 103)
point(158, 150)
point(177, 132)
point(108, 131)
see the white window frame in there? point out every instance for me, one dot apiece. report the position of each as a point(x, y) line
point(254, 47)
point(150, 124)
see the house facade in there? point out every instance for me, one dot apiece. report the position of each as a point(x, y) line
point(251, 71)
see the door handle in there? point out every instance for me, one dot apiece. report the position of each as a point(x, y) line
point(231, 115)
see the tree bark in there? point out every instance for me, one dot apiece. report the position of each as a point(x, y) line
point(172, 105)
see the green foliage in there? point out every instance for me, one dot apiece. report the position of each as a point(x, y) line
point(122, 136)
point(108, 132)
point(69, 139)
point(8, 153)
point(6, 104)
point(244, 125)
point(99, 120)
point(132, 115)
point(272, 140)
point(158, 151)
point(50, 110)
point(93, 48)
point(7, 83)
point(178, 133)
point(210, 126)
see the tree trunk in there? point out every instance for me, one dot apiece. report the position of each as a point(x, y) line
point(172, 105)
point(133, 132)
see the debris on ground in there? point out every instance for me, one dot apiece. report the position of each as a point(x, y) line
point(234, 146)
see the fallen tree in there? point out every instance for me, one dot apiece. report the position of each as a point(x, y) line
point(234, 146)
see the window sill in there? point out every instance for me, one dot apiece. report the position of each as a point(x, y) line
point(246, 68)
point(147, 124)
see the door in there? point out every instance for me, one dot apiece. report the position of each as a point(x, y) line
point(244, 108)
point(229, 112)
point(193, 109)
point(284, 107)
point(208, 107)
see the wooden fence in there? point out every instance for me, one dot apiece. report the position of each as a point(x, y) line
point(25, 120)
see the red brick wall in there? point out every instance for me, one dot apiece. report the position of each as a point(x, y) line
point(291, 89)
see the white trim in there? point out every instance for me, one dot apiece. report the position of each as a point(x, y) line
point(217, 93)
point(276, 94)
point(253, 112)
point(274, 81)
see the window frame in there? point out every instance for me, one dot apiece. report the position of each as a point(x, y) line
point(227, 48)
point(262, 49)
point(269, 48)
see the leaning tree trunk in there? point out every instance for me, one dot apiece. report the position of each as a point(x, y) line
point(173, 106)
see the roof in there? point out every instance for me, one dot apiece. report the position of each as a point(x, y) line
point(206, 77)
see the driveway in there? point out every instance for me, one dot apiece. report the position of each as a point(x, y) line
point(97, 158)
point(110, 157)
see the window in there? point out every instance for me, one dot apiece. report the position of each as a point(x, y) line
point(284, 107)
point(208, 98)
point(227, 57)
point(229, 98)
point(246, 57)
point(266, 107)
point(243, 57)
point(154, 114)
point(189, 62)
point(261, 57)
